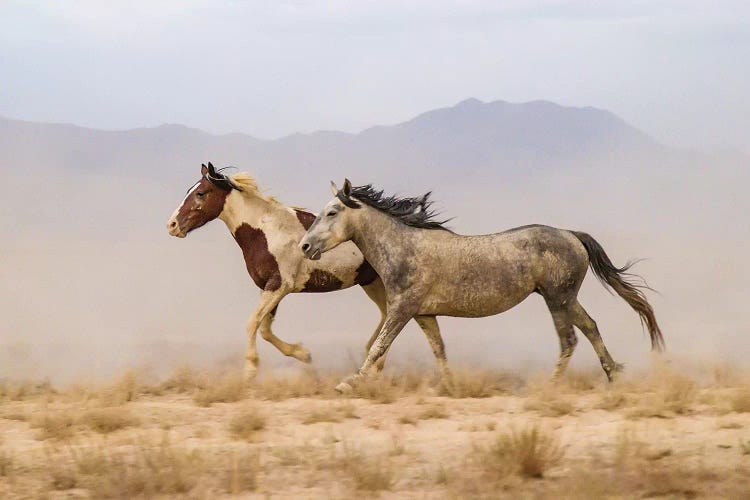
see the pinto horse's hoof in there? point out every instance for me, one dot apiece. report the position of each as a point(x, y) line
point(302, 354)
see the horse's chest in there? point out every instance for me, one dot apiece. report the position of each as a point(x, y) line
point(260, 262)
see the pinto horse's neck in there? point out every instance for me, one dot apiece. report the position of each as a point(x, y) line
point(253, 221)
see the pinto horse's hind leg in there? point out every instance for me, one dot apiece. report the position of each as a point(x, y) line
point(294, 350)
point(583, 321)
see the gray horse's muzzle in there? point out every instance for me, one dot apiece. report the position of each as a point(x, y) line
point(311, 251)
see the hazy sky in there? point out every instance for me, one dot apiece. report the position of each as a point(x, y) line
point(680, 70)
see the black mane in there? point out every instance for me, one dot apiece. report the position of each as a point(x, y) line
point(413, 212)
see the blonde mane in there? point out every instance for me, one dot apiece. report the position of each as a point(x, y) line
point(249, 187)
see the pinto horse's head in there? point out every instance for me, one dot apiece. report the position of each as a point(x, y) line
point(204, 202)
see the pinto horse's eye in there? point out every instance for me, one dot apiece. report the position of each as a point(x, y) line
point(200, 194)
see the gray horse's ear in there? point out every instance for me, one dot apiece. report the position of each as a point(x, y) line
point(334, 188)
point(204, 169)
point(347, 189)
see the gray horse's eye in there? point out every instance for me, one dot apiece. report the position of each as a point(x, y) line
point(331, 214)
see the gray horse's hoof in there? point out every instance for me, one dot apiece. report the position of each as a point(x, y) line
point(344, 388)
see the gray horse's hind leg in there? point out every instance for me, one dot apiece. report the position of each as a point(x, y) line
point(431, 329)
point(568, 339)
point(583, 321)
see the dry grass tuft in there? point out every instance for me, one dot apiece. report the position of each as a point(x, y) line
point(433, 411)
point(142, 470)
point(478, 384)
point(611, 400)
point(670, 394)
point(58, 425)
point(322, 415)
point(24, 390)
point(184, 380)
point(6, 463)
point(368, 473)
point(226, 389)
point(242, 474)
point(106, 420)
point(550, 406)
point(407, 420)
point(246, 424)
point(386, 389)
point(528, 453)
point(740, 402)
point(305, 384)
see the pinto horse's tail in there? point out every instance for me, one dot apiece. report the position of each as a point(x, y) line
point(623, 282)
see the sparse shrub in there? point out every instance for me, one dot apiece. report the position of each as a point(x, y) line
point(247, 423)
point(407, 420)
point(305, 384)
point(322, 415)
point(6, 463)
point(477, 384)
point(184, 380)
point(368, 473)
point(227, 389)
point(56, 425)
point(611, 401)
point(433, 411)
point(550, 406)
point(740, 403)
point(242, 473)
point(528, 453)
point(106, 420)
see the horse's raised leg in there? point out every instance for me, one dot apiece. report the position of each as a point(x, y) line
point(568, 339)
point(268, 302)
point(583, 321)
point(293, 350)
point(431, 329)
point(394, 322)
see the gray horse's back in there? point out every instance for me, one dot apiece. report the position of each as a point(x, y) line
point(476, 276)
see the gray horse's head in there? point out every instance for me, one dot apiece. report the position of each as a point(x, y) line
point(333, 225)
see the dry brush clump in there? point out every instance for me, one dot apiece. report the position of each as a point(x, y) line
point(107, 420)
point(465, 383)
point(529, 453)
point(247, 423)
point(56, 425)
point(228, 388)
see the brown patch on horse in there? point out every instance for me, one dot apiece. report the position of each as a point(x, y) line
point(305, 218)
point(322, 281)
point(365, 274)
point(260, 263)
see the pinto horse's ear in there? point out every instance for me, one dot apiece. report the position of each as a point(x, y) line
point(347, 189)
point(204, 169)
point(334, 188)
point(211, 170)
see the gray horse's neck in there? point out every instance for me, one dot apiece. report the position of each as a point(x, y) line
point(374, 233)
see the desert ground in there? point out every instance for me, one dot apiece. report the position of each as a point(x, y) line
point(661, 432)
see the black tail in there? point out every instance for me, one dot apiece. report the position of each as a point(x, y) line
point(622, 282)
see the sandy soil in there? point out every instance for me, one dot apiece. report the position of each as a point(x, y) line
point(205, 436)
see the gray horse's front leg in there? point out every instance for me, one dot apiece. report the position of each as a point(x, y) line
point(394, 323)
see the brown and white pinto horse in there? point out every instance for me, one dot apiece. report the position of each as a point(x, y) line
point(268, 234)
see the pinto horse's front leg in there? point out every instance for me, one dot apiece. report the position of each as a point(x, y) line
point(268, 302)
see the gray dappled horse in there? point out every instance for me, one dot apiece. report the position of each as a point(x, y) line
point(430, 271)
point(268, 233)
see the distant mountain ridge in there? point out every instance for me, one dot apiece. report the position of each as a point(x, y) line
point(473, 137)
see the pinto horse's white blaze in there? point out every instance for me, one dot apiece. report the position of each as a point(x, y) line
point(268, 233)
